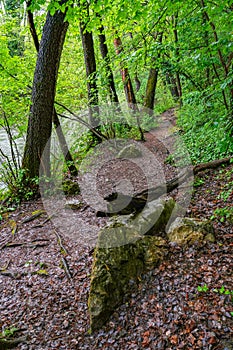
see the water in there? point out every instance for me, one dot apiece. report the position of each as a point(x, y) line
point(5, 148)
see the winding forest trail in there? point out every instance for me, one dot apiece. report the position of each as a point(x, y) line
point(45, 278)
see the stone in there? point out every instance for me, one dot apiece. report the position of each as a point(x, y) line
point(130, 151)
point(187, 231)
point(123, 252)
point(115, 268)
point(73, 204)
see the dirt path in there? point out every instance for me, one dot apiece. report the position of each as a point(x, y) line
point(48, 303)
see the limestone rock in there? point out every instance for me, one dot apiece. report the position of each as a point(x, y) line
point(116, 267)
point(123, 252)
point(130, 151)
point(186, 231)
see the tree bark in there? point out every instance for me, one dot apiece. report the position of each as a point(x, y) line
point(128, 87)
point(61, 138)
point(152, 81)
point(90, 64)
point(104, 53)
point(37, 147)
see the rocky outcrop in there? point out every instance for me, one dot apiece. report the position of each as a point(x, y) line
point(123, 252)
point(130, 245)
point(115, 269)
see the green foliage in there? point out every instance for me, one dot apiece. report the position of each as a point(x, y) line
point(8, 332)
point(205, 132)
point(203, 288)
point(19, 186)
point(198, 182)
point(221, 291)
point(223, 214)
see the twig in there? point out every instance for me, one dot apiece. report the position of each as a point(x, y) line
point(5, 267)
point(63, 249)
point(66, 267)
point(31, 218)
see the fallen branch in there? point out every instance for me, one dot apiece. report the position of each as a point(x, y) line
point(138, 200)
point(25, 244)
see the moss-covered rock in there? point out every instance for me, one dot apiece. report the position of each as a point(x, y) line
point(186, 231)
point(114, 268)
point(70, 187)
point(123, 252)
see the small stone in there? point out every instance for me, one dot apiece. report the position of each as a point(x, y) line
point(73, 204)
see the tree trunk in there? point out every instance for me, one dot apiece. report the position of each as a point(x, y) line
point(37, 147)
point(177, 56)
point(128, 87)
point(61, 138)
point(105, 56)
point(152, 80)
point(90, 64)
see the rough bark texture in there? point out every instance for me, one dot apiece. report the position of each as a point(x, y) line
point(150, 88)
point(128, 87)
point(43, 92)
point(61, 138)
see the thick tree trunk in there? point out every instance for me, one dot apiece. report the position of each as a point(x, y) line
point(37, 148)
point(61, 138)
point(104, 53)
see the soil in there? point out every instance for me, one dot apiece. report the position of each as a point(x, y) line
point(46, 259)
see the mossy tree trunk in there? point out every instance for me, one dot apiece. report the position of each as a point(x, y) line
point(37, 147)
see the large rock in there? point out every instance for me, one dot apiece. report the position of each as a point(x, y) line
point(114, 270)
point(186, 231)
point(123, 252)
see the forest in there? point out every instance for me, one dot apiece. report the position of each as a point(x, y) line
point(116, 174)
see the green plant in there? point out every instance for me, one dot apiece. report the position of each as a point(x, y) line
point(8, 332)
point(203, 288)
point(198, 182)
point(222, 290)
point(223, 214)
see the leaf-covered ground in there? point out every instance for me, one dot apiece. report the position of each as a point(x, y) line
point(181, 304)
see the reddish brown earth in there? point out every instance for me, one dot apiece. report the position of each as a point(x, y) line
point(48, 304)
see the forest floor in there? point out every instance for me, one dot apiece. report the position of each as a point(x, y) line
point(45, 277)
